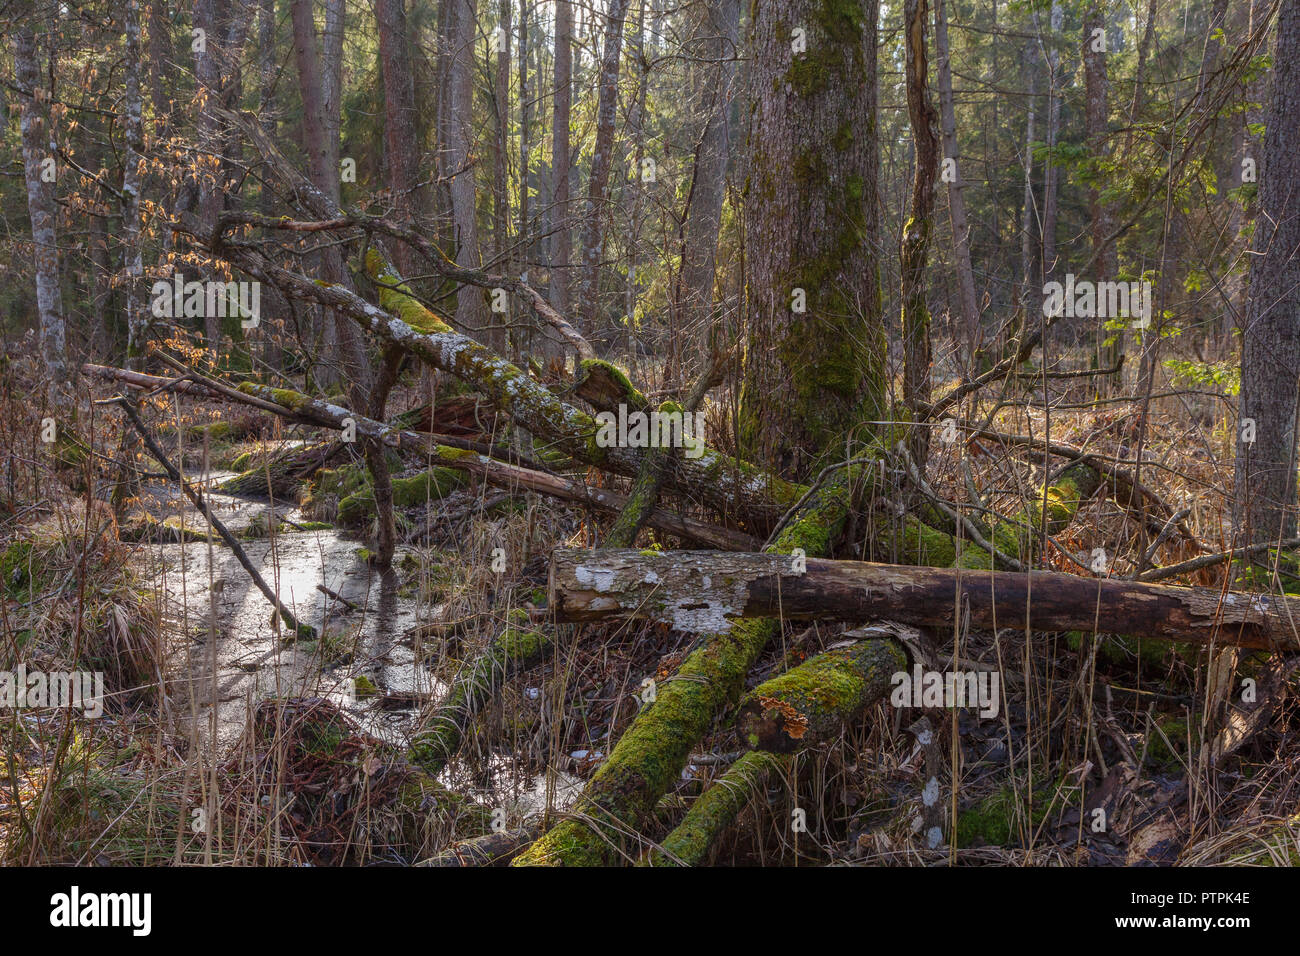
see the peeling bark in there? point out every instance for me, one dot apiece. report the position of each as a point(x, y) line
point(695, 590)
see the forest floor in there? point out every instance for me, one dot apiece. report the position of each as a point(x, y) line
point(179, 768)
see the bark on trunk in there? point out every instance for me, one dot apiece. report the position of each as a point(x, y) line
point(561, 240)
point(694, 296)
point(815, 337)
point(401, 142)
point(137, 316)
point(458, 165)
point(917, 231)
point(704, 590)
point(967, 303)
point(1265, 502)
point(38, 173)
point(601, 160)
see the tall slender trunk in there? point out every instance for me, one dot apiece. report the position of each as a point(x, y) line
point(966, 301)
point(137, 322)
point(919, 228)
point(320, 142)
point(601, 160)
point(1051, 173)
point(1265, 503)
point(1028, 247)
point(458, 163)
point(38, 160)
point(1100, 214)
point(501, 322)
point(694, 295)
point(401, 141)
point(561, 238)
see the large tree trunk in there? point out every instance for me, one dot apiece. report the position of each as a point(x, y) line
point(601, 159)
point(814, 345)
point(712, 591)
point(38, 169)
point(1264, 505)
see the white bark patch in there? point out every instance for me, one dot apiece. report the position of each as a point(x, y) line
point(601, 579)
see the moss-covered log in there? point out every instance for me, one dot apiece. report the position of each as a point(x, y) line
point(813, 702)
point(1050, 511)
point(284, 477)
point(716, 809)
point(694, 589)
point(431, 485)
point(516, 648)
point(605, 386)
point(490, 849)
point(650, 755)
point(730, 485)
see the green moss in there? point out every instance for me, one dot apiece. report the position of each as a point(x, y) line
point(689, 843)
point(364, 687)
point(431, 485)
point(284, 397)
point(997, 819)
point(215, 431)
point(820, 695)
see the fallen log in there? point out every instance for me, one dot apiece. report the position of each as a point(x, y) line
point(491, 849)
point(650, 755)
point(708, 590)
point(516, 648)
point(812, 703)
point(715, 810)
point(730, 485)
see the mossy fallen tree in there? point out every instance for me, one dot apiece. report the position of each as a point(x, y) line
point(716, 809)
point(691, 588)
point(813, 702)
point(648, 758)
point(490, 849)
point(727, 484)
point(731, 486)
point(605, 386)
point(517, 647)
point(430, 485)
point(282, 477)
